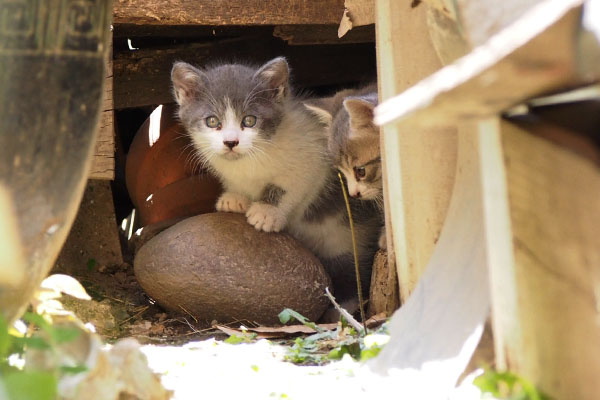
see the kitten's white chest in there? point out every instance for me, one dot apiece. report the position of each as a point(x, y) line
point(243, 177)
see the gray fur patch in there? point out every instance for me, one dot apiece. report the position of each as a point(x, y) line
point(341, 269)
point(329, 202)
point(272, 194)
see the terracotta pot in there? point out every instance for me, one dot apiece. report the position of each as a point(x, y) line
point(162, 181)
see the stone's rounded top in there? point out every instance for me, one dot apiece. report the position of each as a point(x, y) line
point(218, 267)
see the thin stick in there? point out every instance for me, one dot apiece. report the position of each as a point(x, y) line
point(137, 314)
point(355, 324)
point(188, 313)
point(355, 251)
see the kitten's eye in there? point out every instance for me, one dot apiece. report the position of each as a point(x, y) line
point(249, 121)
point(212, 122)
point(359, 172)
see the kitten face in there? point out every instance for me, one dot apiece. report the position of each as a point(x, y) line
point(232, 110)
point(360, 163)
point(354, 145)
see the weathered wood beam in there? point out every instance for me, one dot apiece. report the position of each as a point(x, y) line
point(323, 34)
point(103, 163)
point(383, 296)
point(292, 34)
point(94, 234)
point(227, 12)
point(538, 52)
point(541, 229)
point(446, 7)
point(356, 13)
point(212, 32)
point(419, 165)
point(142, 77)
point(434, 334)
point(556, 244)
point(476, 20)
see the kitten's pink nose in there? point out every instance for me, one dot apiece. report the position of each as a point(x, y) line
point(231, 143)
point(357, 195)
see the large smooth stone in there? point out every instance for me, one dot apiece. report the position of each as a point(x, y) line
point(218, 267)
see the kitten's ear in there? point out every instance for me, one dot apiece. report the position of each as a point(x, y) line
point(322, 114)
point(187, 82)
point(360, 111)
point(275, 74)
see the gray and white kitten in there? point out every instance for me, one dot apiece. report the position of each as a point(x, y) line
point(271, 155)
point(353, 141)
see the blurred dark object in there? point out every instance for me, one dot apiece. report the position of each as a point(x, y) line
point(52, 64)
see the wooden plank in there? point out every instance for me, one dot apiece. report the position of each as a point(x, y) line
point(446, 7)
point(142, 77)
point(356, 13)
point(555, 221)
point(94, 234)
point(434, 334)
point(447, 36)
point(227, 12)
point(103, 163)
point(323, 34)
point(542, 225)
point(479, 21)
point(419, 164)
point(538, 53)
point(383, 296)
point(154, 32)
point(503, 289)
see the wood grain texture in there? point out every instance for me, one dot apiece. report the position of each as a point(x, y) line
point(383, 296)
point(142, 77)
point(227, 12)
point(323, 34)
point(356, 13)
point(94, 234)
point(500, 258)
point(419, 164)
point(103, 163)
point(555, 219)
point(538, 55)
point(434, 334)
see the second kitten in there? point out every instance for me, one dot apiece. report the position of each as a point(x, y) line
point(353, 142)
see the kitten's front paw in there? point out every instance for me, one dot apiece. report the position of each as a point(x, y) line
point(232, 202)
point(382, 240)
point(266, 217)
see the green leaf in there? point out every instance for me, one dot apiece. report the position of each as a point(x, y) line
point(508, 385)
point(73, 370)
point(35, 342)
point(38, 321)
point(65, 334)
point(254, 368)
point(91, 264)
point(30, 385)
point(288, 315)
point(237, 339)
point(353, 349)
point(369, 353)
point(5, 338)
